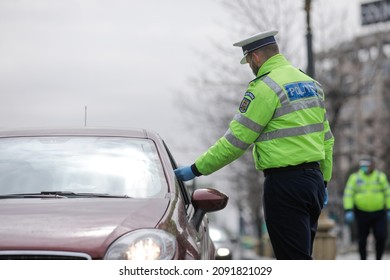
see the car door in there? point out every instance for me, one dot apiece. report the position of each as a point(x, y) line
point(202, 238)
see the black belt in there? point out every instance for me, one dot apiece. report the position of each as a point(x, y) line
point(306, 165)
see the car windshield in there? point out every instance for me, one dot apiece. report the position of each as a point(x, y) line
point(104, 165)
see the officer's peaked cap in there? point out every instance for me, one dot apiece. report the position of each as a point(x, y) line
point(366, 161)
point(256, 41)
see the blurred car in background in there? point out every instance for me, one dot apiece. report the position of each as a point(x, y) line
point(225, 245)
point(98, 194)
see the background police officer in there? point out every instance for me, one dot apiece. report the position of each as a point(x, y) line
point(366, 198)
point(283, 114)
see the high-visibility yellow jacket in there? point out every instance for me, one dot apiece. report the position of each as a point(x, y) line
point(283, 115)
point(367, 192)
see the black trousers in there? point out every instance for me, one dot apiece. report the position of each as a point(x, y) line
point(292, 205)
point(377, 221)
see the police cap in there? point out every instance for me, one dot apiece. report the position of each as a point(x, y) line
point(367, 161)
point(256, 41)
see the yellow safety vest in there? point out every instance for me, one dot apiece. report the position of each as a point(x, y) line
point(367, 192)
point(282, 114)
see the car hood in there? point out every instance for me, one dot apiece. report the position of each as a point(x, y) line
point(87, 225)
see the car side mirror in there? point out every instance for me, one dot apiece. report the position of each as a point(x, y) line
point(205, 201)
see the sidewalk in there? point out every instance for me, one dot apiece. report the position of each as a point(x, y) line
point(355, 256)
point(351, 252)
point(350, 255)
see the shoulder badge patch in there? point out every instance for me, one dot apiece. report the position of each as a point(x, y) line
point(244, 104)
point(250, 95)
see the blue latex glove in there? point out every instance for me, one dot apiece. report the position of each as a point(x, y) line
point(349, 217)
point(388, 215)
point(326, 197)
point(184, 173)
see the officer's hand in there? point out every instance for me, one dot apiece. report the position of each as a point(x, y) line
point(326, 197)
point(184, 173)
point(388, 215)
point(349, 217)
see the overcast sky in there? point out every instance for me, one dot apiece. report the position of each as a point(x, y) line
point(126, 60)
point(123, 59)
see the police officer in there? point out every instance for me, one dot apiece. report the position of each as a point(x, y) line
point(282, 113)
point(366, 198)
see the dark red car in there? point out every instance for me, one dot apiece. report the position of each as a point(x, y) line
point(98, 194)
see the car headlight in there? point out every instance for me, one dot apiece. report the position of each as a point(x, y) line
point(223, 252)
point(143, 244)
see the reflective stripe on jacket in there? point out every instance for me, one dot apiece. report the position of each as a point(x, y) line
point(367, 192)
point(283, 115)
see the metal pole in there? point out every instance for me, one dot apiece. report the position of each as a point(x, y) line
point(310, 56)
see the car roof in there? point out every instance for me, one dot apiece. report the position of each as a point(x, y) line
point(82, 131)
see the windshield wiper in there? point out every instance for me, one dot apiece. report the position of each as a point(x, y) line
point(31, 195)
point(60, 194)
point(73, 194)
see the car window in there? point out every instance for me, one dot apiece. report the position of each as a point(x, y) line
point(107, 165)
point(183, 188)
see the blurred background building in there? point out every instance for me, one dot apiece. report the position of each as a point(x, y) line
point(356, 78)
